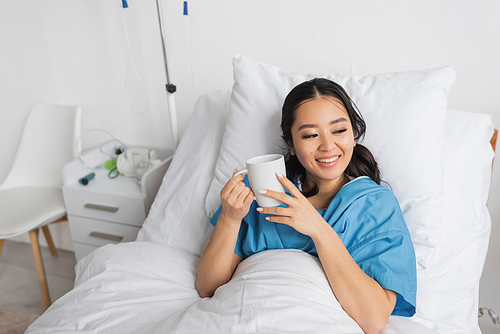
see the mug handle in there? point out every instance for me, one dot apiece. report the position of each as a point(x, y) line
point(243, 171)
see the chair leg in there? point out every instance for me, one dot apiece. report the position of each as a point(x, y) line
point(48, 236)
point(42, 278)
point(1, 247)
point(50, 242)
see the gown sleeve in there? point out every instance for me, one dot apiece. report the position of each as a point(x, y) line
point(389, 259)
point(372, 227)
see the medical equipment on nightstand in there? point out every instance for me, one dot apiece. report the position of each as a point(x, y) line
point(85, 180)
point(493, 316)
point(125, 163)
point(94, 157)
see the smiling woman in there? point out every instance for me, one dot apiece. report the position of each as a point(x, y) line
point(322, 101)
point(323, 142)
point(344, 217)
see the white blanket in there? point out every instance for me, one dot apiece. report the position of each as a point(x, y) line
point(143, 287)
point(277, 291)
point(124, 288)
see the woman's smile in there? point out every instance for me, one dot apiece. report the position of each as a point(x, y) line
point(328, 162)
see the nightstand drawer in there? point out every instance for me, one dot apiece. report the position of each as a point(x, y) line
point(126, 210)
point(99, 233)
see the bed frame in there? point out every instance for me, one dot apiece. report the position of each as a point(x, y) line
point(493, 140)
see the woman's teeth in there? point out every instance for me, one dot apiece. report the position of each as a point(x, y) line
point(327, 161)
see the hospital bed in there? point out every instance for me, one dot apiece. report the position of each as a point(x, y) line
point(437, 162)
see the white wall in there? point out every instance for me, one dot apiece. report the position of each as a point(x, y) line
point(76, 52)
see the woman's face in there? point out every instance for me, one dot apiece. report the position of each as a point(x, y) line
point(323, 139)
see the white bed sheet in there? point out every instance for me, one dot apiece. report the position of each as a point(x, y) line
point(277, 291)
point(148, 286)
point(144, 287)
point(124, 288)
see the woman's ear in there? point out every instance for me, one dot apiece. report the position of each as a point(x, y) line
point(292, 150)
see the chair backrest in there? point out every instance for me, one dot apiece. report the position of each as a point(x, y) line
point(46, 145)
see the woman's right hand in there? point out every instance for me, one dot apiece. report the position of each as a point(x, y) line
point(236, 198)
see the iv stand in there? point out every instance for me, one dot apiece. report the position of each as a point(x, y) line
point(169, 86)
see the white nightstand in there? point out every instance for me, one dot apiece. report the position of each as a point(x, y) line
point(108, 210)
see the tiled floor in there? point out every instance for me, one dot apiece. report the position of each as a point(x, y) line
point(19, 287)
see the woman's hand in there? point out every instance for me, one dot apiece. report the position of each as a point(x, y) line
point(236, 198)
point(300, 214)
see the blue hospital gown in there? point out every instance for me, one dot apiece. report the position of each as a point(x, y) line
point(368, 220)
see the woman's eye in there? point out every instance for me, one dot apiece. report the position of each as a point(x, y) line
point(309, 136)
point(340, 131)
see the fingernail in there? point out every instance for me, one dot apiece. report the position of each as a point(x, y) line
point(267, 218)
point(263, 191)
point(259, 209)
point(279, 175)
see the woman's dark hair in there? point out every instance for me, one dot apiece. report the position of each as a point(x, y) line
point(362, 162)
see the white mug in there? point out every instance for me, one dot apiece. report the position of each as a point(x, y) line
point(262, 171)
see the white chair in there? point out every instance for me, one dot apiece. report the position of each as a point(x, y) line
point(31, 196)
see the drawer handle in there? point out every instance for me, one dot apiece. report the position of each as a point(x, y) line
point(106, 236)
point(101, 207)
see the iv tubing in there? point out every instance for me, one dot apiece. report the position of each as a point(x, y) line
point(170, 87)
point(131, 61)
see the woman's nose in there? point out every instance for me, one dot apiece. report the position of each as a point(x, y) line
point(327, 144)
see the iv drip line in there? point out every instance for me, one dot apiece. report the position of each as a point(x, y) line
point(189, 48)
point(131, 60)
point(169, 86)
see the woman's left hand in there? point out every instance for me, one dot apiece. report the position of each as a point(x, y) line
point(300, 214)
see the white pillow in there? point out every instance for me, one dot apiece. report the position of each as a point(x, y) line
point(177, 216)
point(447, 299)
point(405, 117)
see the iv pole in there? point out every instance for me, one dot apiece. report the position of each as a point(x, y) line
point(169, 86)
